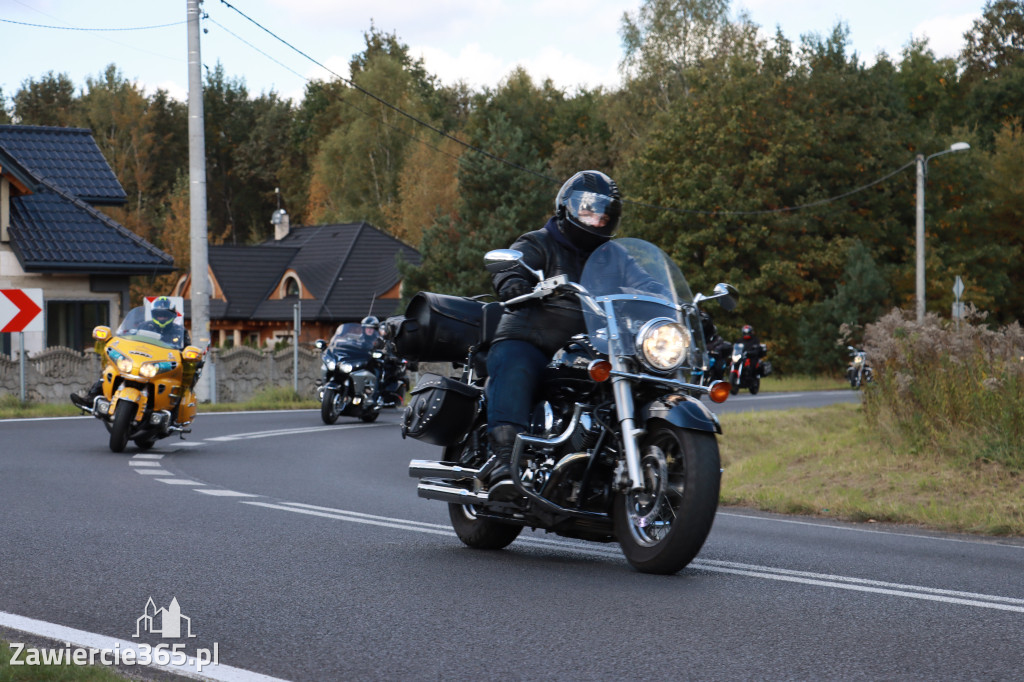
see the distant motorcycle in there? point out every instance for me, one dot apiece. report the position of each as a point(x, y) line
point(859, 372)
point(719, 351)
point(748, 366)
point(355, 381)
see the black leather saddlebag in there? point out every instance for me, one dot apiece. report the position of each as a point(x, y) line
point(441, 410)
point(438, 328)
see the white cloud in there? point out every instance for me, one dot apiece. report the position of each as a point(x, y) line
point(946, 33)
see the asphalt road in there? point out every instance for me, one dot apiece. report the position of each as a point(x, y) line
point(302, 551)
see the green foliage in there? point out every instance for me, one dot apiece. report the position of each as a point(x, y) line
point(760, 162)
point(860, 297)
point(49, 101)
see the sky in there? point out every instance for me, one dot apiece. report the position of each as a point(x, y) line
point(475, 41)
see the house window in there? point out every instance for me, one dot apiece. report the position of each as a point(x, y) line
point(70, 323)
point(291, 288)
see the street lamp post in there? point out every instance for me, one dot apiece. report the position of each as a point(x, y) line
point(922, 170)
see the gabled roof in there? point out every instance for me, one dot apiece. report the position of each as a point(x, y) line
point(65, 157)
point(343, 266)
point(247, 275)
point(51, 232)
point(54, 228)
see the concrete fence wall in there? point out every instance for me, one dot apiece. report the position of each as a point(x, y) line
point(52, 374)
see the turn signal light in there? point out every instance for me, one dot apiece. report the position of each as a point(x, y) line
point(101, 333)
point(599, 370)
point(719, 391)
point(191, 353)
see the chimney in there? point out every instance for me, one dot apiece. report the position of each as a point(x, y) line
point(280, 222)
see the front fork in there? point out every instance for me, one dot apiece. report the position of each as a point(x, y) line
point(622, 389)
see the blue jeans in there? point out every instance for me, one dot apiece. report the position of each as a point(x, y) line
point(514, 368)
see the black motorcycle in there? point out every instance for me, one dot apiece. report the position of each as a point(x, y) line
point(621, 448)
point(747, 366)
point(352, 382)
point(859, 372)
point(719, 354)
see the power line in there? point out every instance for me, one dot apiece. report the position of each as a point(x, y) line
point(388, 104)
point(784, 209)
point(467, 145)
point(343, 101)
point(81, 28)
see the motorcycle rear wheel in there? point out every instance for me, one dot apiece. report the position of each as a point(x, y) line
point(480, 533)
point(662, 528)
point(472, 530)
point(120, 429)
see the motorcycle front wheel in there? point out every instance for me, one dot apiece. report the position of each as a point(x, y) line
point(662, 527)
point(332, 405)
point(124, 415)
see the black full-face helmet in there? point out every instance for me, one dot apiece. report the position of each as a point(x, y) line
point(747, 331)
point(162, 312)
point(588, 208)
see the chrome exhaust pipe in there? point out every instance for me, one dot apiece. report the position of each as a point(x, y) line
point(447, 492)
point(425, 468)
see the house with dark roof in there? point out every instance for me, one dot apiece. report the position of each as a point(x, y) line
point(334, 273)
point(52, 236)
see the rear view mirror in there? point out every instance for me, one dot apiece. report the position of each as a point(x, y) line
point(500, 260)
point(726, 295)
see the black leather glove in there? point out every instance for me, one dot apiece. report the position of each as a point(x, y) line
point(514, 287)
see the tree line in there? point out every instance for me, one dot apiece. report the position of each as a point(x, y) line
point(765, 162)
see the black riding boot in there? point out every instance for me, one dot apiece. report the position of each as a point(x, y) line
point(86, 400)
point(498, 469)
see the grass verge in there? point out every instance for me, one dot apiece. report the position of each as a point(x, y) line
point(774, 383)
point(274, 398)
point(51, 672)
point(829, 462)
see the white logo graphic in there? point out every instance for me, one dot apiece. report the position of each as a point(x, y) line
point(163, 622)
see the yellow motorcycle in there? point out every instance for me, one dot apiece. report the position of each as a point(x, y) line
point(148, 380)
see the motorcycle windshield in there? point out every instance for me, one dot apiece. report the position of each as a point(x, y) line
point(138, 326)
point(353, 340)
point(633, 282)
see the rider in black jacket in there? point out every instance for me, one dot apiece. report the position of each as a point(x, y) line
point(587, 211)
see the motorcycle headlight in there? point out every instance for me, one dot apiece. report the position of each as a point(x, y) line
point(346, 367)
point(857, 360)
point(122, 362)
point(151, 369)
point(331, 364)
point(663, 344)
point(736, 357)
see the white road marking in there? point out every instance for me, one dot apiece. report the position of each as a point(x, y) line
point(179, 481)
point(224, 493)
point(985, 601)
point(290, 432)
point(148, 457)
point(91, 640)
point(143, 464)
point(152, 472)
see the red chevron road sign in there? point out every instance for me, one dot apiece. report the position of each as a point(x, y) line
point(20, 310)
